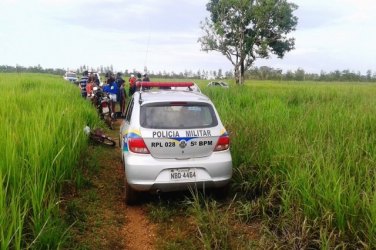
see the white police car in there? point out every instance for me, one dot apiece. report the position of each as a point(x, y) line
point(172, 140)
point(70, 76)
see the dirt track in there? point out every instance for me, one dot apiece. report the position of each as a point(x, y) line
point(107, 223)
point(137, 231)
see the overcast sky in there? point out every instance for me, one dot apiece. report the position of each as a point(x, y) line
point(162, 34)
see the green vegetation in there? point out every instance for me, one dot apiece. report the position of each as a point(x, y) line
point(245, 30)
point(195, 220)
point(304, 168)
point(304, 158)
point(41, 131)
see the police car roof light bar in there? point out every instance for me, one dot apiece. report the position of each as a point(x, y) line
point(164, 84)
point(142, 85)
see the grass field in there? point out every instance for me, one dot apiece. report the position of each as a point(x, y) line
point(41, 131)
point(306, 153)
point(304, 159)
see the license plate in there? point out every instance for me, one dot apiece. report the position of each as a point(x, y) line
point(105, 110)
point(182, 174)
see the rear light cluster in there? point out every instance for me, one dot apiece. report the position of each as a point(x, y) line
point(137, 145)
point(223, 143)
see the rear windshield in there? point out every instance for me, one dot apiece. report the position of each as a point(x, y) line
point(178, 116)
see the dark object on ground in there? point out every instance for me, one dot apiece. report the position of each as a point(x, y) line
point(98, 136)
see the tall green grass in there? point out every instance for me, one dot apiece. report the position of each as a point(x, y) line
point(313, 146)
point(41, 140)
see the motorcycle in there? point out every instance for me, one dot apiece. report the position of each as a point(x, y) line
point(98, 136)
point(102, 103)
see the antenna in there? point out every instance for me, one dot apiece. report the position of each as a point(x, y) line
point(147, 47)
point(140, 99)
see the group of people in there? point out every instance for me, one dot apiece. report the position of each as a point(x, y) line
point(114, 86)
point(87, 82)
point(133, 82)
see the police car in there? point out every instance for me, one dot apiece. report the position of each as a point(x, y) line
point(172, 140)
point(70, 76)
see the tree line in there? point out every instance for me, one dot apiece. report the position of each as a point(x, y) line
point(31, 69)
point(254, 73)
point(268, 73)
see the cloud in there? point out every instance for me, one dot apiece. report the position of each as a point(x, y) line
point(163, 34)
point(128, 16)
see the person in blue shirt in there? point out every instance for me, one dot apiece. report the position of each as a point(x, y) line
point(113, 90)
point(121, 95)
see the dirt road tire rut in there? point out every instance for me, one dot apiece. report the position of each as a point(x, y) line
point(105, 220)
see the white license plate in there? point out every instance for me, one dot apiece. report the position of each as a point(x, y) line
point(185, 174)
point(105, 110)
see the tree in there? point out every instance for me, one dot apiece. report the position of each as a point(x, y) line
point(289, 75)
point(244, 30)
point(265, 72)
point(300, 74)
point(369, 75)
point(220, 73)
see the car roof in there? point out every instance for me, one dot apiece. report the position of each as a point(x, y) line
point(154, 96)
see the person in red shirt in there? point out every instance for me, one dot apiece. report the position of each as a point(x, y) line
point(132, 85)
point(89, 86)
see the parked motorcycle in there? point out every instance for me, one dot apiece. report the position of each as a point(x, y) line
point(101, 101)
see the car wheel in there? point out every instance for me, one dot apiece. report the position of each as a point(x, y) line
point(130, 194)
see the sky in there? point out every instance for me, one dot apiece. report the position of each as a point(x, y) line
point(162, 35)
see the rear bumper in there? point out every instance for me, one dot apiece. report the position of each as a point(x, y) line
point(145, 173)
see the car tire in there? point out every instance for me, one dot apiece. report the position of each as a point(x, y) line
point(130, 194)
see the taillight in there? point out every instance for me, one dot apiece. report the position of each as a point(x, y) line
point(137, 145)
point(223, 143)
